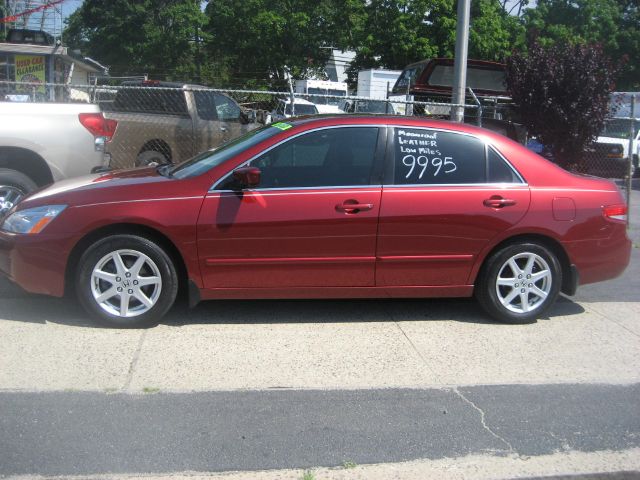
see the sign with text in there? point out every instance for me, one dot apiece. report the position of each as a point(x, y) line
point(31, 69)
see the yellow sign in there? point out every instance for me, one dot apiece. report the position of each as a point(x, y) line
point(30, 69)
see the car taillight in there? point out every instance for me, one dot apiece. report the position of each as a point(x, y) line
point(98, 125)
point(615, 212)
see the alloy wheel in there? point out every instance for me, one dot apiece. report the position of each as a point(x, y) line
point(126, 283)
point(524, 282)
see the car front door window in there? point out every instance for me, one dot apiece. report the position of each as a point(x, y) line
point(333, 157)
point(226, 109)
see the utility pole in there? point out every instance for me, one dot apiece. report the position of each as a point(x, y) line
point(460, 60)
point(198, 57)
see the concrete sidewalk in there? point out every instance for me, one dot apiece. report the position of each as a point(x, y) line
point(59, 374)
point(49, 345)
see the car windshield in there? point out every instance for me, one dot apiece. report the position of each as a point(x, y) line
point(408, 78)
point(212, 158)
point(619, 128)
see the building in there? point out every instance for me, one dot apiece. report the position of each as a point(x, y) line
point(376, 83)
point(28, 58)
point(339, 61)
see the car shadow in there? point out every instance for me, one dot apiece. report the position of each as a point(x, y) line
point(41, 309)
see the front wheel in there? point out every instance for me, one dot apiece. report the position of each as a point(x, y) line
point(126, 281)
point(519, 283)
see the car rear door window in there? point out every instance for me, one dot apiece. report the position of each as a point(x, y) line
point(433, 157)
point(151, 100)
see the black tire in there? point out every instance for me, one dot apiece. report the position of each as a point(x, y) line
point(491, 297)
point(151, 157)
point(158, 263)
point(14, 186)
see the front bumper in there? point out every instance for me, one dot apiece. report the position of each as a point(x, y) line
point(37, 263)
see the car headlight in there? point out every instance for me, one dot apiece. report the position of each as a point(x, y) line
point(31, 220)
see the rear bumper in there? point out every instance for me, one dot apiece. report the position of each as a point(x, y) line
point(601, 259)
point(37, 263)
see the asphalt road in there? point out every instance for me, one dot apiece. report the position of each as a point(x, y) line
point(251, 386)
point(89, 433)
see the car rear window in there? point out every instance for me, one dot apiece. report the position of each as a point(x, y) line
point(433, 157)
point(151, 100)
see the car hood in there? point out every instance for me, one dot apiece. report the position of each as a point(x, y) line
point(96, 188)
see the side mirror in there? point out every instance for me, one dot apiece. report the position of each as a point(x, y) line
point(247, 177)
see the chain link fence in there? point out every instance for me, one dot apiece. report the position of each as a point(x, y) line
point(170, 122)
point(612, 155)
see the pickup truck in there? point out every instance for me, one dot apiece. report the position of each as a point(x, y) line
point(44, 142)
point(165, 122)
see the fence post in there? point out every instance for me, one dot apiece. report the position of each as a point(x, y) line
point(632, 136)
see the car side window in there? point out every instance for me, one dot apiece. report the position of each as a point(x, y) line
point(206, 105)
point(151, 100)
point(498, 170)
point(431, 157)
point(332, 157)
point(226, 108)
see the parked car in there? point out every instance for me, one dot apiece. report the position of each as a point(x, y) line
point(324, 94)
point(367, 106)
point(283, 109)
point(435, 77)
point(605, 160)
point(44, 142)
point(612, 147)
point(165, 122)
point(431, 80)
point(298, 210)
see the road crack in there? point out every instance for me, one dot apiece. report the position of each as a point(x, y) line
point(134, 361)
point(483, 421)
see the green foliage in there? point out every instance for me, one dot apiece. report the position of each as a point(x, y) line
point(613, 23)
point(308, 475)
point(249, 43)
point(562, 95)
point(147, 36)
point(261, 38)
point(399, 32)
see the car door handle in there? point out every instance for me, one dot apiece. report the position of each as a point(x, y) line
point(498, 202)
point(352, 206)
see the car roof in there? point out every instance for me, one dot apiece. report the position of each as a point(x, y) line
point(332, 119)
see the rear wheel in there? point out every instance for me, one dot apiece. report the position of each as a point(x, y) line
point(126, 281)
point(151, 157)
point(519, 283)
point(14, 186)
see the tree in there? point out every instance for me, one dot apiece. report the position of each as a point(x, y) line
point(263, 39)
point(157, 37)
point(400, 32)
point(561, 93)
point(613, 23)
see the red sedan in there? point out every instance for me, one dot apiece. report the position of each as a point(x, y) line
point(333, 207)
